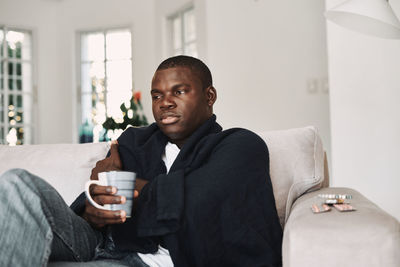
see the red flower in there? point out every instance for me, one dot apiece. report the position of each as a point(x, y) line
point(137, 96)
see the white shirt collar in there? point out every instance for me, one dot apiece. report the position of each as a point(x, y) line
point(170, 154)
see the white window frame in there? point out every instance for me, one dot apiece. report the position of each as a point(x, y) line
point(31, 93)
point(184, 43)
point(79, 35)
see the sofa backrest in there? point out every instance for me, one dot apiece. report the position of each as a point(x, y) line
point(296, 164)
point(65, 166)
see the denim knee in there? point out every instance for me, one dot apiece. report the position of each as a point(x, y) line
point(15, 176)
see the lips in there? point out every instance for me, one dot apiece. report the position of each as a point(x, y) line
point(169, 118)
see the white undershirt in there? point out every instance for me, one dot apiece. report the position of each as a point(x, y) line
point(162, 258)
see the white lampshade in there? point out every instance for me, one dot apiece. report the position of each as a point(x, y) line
point(373, 17)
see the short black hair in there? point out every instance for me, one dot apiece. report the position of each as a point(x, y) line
point(195, 65)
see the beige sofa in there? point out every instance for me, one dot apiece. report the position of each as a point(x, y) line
point(366, 237)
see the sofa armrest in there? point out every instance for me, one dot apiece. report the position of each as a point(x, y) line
point(365, 237)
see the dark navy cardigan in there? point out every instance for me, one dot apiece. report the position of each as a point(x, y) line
point(215, 207)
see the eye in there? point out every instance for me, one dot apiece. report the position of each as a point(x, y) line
point(179, 92)
point(155, 97)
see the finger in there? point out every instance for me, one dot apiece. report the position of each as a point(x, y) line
point(99, 216)
point(116, 163)
point(101, 166)
point(140, 183)
point(93, 174)
point(105, 199)
point(102, 190)
point(103, 213)
point(99, 222)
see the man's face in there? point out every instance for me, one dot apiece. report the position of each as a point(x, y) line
point(180, 104)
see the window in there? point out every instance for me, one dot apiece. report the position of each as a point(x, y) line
point(16, 99)
point(105, 77)
point(183, 32)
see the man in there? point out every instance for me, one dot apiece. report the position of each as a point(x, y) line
point(204, 196)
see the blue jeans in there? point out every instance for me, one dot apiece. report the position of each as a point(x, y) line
point(37, 226)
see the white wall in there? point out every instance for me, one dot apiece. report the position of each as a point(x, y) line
point(55, 24)
point(263, 55)
point(364, 76)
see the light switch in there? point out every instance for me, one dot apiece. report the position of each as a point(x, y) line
point(312, 86)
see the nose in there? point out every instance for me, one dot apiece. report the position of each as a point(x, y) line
point(167, 103)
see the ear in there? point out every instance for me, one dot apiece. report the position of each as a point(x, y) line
point(211, 95)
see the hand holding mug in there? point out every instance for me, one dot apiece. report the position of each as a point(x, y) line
point(105, 194)
point(123, 181)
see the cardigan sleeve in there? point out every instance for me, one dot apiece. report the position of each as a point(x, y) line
point(78, 206)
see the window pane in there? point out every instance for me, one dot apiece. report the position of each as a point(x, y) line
point(2, 108)
point(11, 84)
point(2, 135)
point(92, 47)
point(119, 76)
point(114, 101)
point(106, 83)
point(11, 102)
point(10, 68)
point(12, 136)
point(19, 102)
point(118, 45)
point(19, 69)
point(14, 41)
point(20, 135)
point(16, 109)
point(1, 75)
point(86, 81)
point(11, 115)
point(177, 33)
point(18, 50)
point(99, 112)
point(19, 84)
point(10, 51)
point(86, 103)
point(92, 77)
point(189, 25)
point(19, 117)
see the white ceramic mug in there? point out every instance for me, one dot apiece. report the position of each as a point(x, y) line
point(124, 182)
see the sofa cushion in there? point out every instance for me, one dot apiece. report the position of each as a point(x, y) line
point(65, 166)
point(296, 165)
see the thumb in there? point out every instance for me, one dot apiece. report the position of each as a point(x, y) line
point(114, 156)
point(114, 148)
